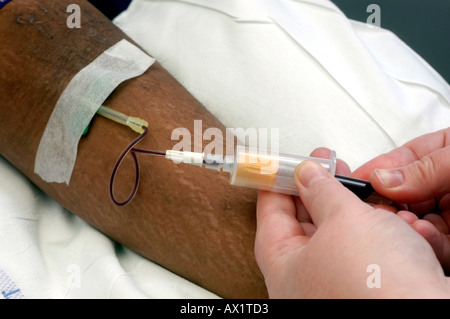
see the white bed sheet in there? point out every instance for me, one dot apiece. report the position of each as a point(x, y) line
point(47, 252)
point(299, 66)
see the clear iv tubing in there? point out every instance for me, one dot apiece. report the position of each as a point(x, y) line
point(133, 150)
point(135, 123)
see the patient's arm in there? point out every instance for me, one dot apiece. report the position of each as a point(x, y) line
point(187, 219)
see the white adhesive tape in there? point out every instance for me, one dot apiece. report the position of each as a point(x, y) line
point(78, 104)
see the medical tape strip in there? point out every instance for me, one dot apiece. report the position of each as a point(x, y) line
point(57, 152)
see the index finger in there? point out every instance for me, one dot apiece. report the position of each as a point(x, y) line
point(411, 151)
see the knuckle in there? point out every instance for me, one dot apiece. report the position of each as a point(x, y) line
point(425, 168)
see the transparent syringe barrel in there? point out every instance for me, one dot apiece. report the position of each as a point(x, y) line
point(271, 171)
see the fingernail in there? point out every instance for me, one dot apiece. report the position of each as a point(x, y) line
point(389, 178)
point(308, 172)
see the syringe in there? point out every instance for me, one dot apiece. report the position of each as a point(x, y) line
point(273, 172)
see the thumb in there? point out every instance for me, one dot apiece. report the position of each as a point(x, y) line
point(421, 180)
point(322, 195)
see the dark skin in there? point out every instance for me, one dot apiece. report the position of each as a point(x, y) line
point(189, 221)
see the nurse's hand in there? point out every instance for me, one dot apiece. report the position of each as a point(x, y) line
point(332, 245)
point(418, 174)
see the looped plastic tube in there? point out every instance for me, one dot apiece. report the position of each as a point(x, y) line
point(128, 149)
point(131, 148)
